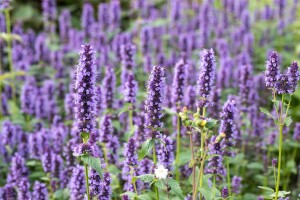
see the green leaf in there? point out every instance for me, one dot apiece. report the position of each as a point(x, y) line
point(287, 97)
point(280, 194)
point(288, 120)
point(146, 147)
point(160, 184)
point(95, 163)
point(175, 187)
point(255, 165)
point(146, 178)
point(265, 111)
point(131, 195)
point(62, 194)
point(211, 123)
point(266, 188)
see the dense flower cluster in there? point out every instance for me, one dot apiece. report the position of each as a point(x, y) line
point(85, 91)
point(179, 82)
point(272, 70)
point(206, 76)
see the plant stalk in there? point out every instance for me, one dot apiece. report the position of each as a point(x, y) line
point(279, 161)
point(178, 148)
point(228, 177)
point(87, 181)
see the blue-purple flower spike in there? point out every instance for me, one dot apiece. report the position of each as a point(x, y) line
point(77, 184)
point(154, 101)
point(293, 76)
point(85, 91)
point(40, 191)
point(179, 83)
point(131, 87)
point(272, 70)
point(105, 188)
point(206, 76)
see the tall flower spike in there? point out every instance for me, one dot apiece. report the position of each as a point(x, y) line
point(179, 83)
point(228, 127)
point(40, 191)
point(131, 87)
point(85, 91)
point(87, 18)
point(206, 76)
point(293, 76)
point(24, 189)
point(94, 182)
point(130, 163)
point(127, 59)
point(165, 152)
point(108, 86)
point(272, 70)
point(154, 101)
point(106, 129)
point(8, 192)
point(17, 170)
point(105, 188)
point(296, 135)
point(77, 184)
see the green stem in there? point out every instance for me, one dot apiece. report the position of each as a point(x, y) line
point(87, 181)
point(104, 153)
point(9, 47)
point(228, 177)
point(178, 148)
point(194, 166)
point(155, 161)
point(214, 194)
point(279, 161)
point(274, 170)
point(130, 119)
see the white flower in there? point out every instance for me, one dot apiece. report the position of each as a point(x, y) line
point(161, 172)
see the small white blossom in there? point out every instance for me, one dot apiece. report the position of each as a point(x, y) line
point(161, 172)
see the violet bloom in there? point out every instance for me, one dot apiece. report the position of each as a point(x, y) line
point(236, 184)
point(245, 82)
point(24, 189)
point(112, 146)
point(87, 18)
point(215, 164)
point(49, 14)
point(9, 133)
point(283, 85)
point(103, 15)
point(260, 198)
point(127, 60)
point(94, 182)
point(77, 184)
point(85, 91)
point(47, 160)
point(165, 152)
point(272, 70)
point(131, 88)
point(84, 149)
point(146, 36)
point(296, 135)
point(115, 14)
point(106, 129)
point(179, 83)
point(17, 170)
point(64, 25)
point(228, 124)
point(225, 192)
point(68, 152)
point(8, 192)
point(105, 188)
point(40, 191)
point(274, 162)
point(130, 164)
point(293, 76)
point(190, 97)
point(108, 86)
point(98, 99)
point(154, 101)
point(206, 76)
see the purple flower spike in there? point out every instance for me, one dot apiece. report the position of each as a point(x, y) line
point(77, 184)
point(165, 153)
point(8, 192)
point(94, 181)
point(28, 95)
point(131, 88)
point(40, 191)
point(293, 76)
point(87, 18)
point(225, 192)
point(272, 70)
point(85, 91)
point(109, 82)
point(4, 4)
point(84, 149)
point(127, 58)
point(105, 188)
point(283, 85)
point(236, 184)
point(228, 126)
point(179, 83)
point(106, 129)
point(215, 164)
point(24, 189)
point(154, 101)
point(296, 135)
point(17, 170)
point(207, 76)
